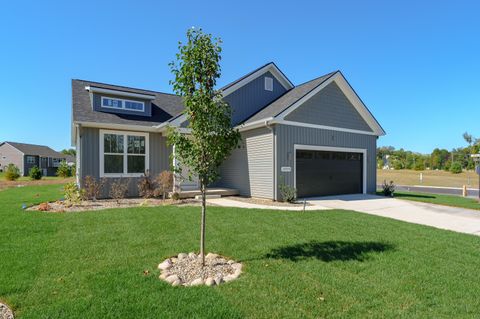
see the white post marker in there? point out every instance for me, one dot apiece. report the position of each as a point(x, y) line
point(421, 178)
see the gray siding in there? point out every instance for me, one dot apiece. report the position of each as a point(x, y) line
point(329, 107)
point(252, 97)
point(287, 136)
point(97, 105)
point(10, 155)
point(27, 166)
point(250, 167)
point(90, 158)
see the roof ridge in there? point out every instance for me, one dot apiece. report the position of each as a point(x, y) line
point(318, 77)
point(244, 76)
point(125, 87)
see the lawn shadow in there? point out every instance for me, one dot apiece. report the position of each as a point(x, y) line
point(330, 251)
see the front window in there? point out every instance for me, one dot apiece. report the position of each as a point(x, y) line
point(123, 153)
point(128, 105)
point(30, 159)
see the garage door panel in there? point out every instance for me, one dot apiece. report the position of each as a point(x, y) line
point(322, 173)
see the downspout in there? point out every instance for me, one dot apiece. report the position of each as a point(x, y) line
point(78, 157)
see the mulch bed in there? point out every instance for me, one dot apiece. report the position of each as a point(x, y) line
point(5, 312)
point(62, 207)
point(268, 202)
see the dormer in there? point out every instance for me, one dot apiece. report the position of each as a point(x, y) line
point(120, 102)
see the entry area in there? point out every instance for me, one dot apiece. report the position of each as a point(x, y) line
point(329, 172)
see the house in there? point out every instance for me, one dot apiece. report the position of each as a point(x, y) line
point(318, 136)
point(26, 156)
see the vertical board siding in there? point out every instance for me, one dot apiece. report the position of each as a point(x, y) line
point(250, 167)
point(252, 97)
point(288, 136)
point(90, 158)
point(329, 107)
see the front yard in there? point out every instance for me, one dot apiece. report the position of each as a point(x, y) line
point(331, 264)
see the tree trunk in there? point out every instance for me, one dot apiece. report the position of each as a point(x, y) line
point(202, 229)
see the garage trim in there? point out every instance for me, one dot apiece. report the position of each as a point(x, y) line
point(333, 149)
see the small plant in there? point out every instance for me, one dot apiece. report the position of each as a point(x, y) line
point(12, 172)
point(63, 170)
point(164, 184)
point(93, 188)
point(388, 188)
point(456, 168)
point(35, 173)
point(72, 194)
point(288, 193)
point(119, 189)
point(176, 196)
point(146, 186)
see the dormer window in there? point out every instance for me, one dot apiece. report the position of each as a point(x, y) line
point(123, 104)
point(268, 84)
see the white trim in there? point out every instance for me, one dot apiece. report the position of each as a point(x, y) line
point(78, 154)
point(93, 89)
point(125, 153)
point(268, 85)
point(123, 108)
point(255, 124)
point(323, 127)
point(351, 96)
point(275, 176)
point(333, 149)
point(121, 127)
point(269, 67)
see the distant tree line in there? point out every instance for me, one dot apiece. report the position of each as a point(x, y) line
point(456, 160)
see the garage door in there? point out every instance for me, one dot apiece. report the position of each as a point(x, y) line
point(322, 173)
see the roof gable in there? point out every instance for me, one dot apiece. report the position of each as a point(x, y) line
point(329, 107)
point(349, 93)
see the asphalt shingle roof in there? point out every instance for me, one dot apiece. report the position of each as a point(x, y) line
point(287, 99)
point(32, 149)
point(164, 106)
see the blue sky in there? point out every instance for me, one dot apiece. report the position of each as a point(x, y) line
point(416, 64)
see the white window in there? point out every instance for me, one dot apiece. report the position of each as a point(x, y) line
point(123, 154)
point(122, 104)
point(268, 84)
point(31, 159)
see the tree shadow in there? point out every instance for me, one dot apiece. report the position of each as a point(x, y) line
point(330, 251)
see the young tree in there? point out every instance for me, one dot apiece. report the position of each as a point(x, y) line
point(211, 137)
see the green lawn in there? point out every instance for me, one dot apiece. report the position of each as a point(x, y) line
point(447, 200)
point(333, 264)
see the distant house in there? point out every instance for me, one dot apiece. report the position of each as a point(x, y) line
point(26, 156)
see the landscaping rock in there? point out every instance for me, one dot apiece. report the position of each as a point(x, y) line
point(218, 280)
point(165, 264)
point(210, 281)
point(172, 278)
point(197, 282)
point(5, 312)
point(182, 256)
point(188, 270)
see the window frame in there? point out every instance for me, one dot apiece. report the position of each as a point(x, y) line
point(123, 108)
point(268, 83)
point(125, 153)
point(31, 157)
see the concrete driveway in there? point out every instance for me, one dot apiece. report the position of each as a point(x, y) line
point(450, 218)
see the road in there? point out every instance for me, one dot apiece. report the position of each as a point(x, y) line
point(435, 190)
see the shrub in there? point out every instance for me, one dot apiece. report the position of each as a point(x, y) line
point(119, 189)
point(92, 187)
point(73, 195)
point(164, 184)
point(12, 172)
point(146, 186)
point(388, 188)
point(288, 193)
point(456, 168)
point(175, 196)
point(419, 166)
point(63, 170)
point(35, 173)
